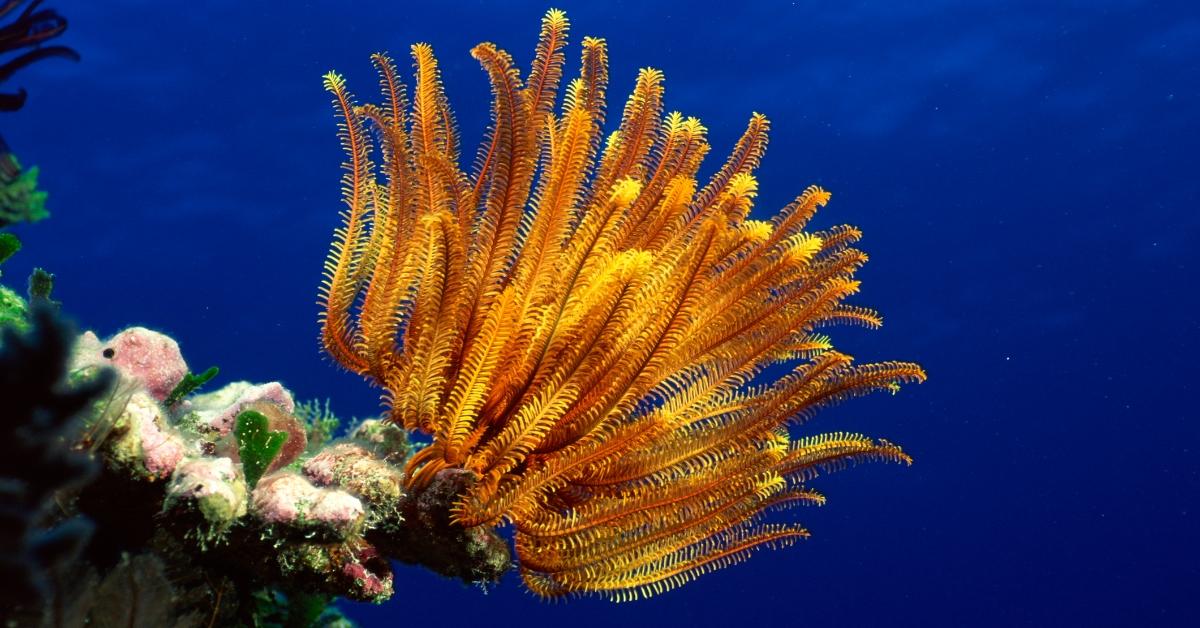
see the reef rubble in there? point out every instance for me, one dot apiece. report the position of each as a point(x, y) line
point(239, 501)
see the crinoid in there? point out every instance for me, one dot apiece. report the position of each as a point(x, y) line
point(30, 29)
point(580, 324)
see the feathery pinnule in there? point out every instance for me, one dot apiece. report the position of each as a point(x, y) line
point(585, 327)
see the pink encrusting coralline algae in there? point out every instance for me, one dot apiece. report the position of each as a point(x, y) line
point(137, 353)
point(354, 468)
point(290, 500)
point(371, 584)
point(161, 448)
point(219, 409)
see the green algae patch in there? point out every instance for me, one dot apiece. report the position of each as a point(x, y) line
point(13, 310)
point(257, 444)
point(189, 384)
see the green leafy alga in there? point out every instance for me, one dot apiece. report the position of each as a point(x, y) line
point(189, 384)
point(258, 446)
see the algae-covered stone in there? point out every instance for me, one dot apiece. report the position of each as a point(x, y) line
point(290, 503)
point(143, 355)
point(141, 443)
point(353, 569)
point(213, 487)
point(385, 439)
point(356, 469)
point(218, 410)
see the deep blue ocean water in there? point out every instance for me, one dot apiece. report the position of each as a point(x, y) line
point(1026, 174)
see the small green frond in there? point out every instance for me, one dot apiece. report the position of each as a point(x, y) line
point(189, 384)
point(257, 445)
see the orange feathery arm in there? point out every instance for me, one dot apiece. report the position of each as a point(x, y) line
point(341, 284)
point(504, 179)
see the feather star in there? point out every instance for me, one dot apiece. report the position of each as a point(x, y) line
point(584, 328)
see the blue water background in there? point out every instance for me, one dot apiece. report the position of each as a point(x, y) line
point(1025, 174)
